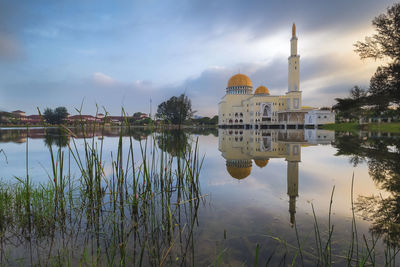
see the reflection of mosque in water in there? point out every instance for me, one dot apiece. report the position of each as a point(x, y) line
point(241, 148)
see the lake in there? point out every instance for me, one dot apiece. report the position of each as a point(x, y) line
point(200, 197)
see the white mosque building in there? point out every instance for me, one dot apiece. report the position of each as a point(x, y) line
point(241, 108)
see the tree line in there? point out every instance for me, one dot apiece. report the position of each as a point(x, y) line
point(177, 110)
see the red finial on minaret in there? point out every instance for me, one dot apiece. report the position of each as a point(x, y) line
point(294, 30)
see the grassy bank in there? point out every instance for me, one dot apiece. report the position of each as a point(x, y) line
point(393, 127)
point(384, 127)
point(345, 127)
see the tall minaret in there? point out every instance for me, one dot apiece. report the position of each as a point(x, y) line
point(294, 63)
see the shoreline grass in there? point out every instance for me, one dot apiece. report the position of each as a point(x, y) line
point(393, 127)
point(360, 251)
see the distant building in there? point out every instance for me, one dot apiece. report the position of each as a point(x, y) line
point(19, 113)
point(33, 119)
point(115, 119)
point(319, 117)
point(240, 108)
point(100, 116)
point(81, 118)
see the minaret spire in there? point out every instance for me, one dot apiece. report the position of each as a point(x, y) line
point(294, 30)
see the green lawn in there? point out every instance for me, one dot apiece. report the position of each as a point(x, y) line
point(348, 127)
point(393, 127)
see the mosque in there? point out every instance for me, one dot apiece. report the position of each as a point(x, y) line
point(241, 148)
point(240, 108)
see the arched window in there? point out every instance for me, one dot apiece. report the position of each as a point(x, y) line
point(241, 114)
point(241, 120)
point(267, 144)
point(236, 114)
point(236, 121)
point(230, 121)
point(267, 111)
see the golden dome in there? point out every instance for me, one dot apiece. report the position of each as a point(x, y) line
point(261, 90)
point(261, 162)
point(239, 80)
point(238, 172)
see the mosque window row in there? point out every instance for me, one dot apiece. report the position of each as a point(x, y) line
point(238, 92)
point(236, 132)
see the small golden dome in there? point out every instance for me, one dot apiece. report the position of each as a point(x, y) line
point(261, 162)
point(239, 80)
point(261, 90)
point(238, 172)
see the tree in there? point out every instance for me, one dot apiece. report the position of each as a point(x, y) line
point(48, 115)
point(352, 106)
point(385, 44)
point(175, 110)
point(57, 116)
point(61, 114)
point(214, 120)
point(136, 115)
point(207, 120)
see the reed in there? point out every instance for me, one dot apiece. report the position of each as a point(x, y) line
point(359, 252)
point(139, 208)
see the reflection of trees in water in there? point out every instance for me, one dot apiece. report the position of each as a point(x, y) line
point(20, 135)
point(56, 136)
point(383, 158)
point(140, 133)
point(203, 131)
point(175, 142)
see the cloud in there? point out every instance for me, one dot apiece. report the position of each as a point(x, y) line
point(10, 48)
point(102, 79)
point(10, 44)
point(124, 54)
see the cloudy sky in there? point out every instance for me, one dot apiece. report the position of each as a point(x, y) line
point(122, 53)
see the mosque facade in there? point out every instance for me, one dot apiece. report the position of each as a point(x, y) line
point(241, 108)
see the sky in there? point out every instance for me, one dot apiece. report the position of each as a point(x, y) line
point(109, 55)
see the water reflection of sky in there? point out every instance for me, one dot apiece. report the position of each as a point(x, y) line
point(319, 171)
point(247, 209)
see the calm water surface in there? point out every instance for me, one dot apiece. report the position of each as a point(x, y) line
point(254, 186)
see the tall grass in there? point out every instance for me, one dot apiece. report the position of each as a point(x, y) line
point(359, 251)
point(137, 209)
